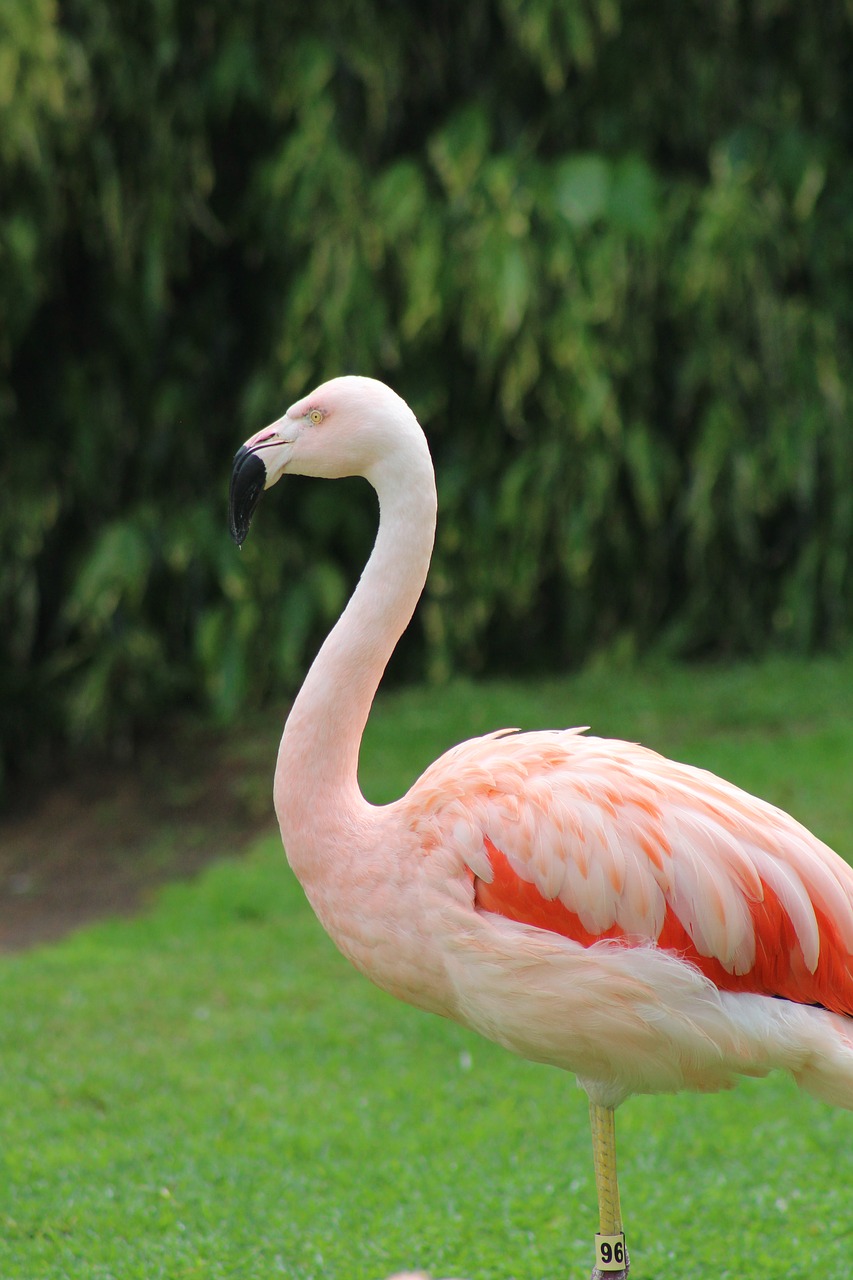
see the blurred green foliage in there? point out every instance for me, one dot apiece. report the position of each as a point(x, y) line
point(602, 246)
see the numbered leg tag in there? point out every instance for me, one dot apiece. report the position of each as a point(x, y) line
point(610, 1254)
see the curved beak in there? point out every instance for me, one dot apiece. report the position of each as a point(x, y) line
point(248, 478)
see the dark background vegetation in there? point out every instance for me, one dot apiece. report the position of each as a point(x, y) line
point(602, 246)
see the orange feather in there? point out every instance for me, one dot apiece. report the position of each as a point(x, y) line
point(779, 968)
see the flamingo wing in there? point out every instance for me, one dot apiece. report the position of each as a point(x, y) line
point(597, 839)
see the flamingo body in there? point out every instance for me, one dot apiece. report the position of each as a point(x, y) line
point(584, 902)
point(644, 914)
point(595, 839)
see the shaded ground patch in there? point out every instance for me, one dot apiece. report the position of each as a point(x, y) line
point(99, 840)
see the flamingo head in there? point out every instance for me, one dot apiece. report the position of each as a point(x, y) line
point(348, 426)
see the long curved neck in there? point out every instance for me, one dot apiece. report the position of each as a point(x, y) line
point(316, 783)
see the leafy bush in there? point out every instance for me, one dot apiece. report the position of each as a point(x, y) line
point(601, 246)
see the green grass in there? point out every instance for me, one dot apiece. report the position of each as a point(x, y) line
point(208, 1090)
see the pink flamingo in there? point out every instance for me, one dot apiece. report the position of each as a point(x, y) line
point(583, 902)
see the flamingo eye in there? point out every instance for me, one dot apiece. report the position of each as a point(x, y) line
point(316, 416)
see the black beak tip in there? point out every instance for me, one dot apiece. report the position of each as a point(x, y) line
point(248, 478)
point(239, 530)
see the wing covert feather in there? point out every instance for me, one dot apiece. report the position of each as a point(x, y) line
point(594, 838)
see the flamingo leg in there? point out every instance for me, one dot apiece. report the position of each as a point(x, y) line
point(612, 1261)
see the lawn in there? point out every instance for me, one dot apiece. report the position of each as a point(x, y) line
point(208, 1090)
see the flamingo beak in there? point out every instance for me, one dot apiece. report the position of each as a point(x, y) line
point(248, 479)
